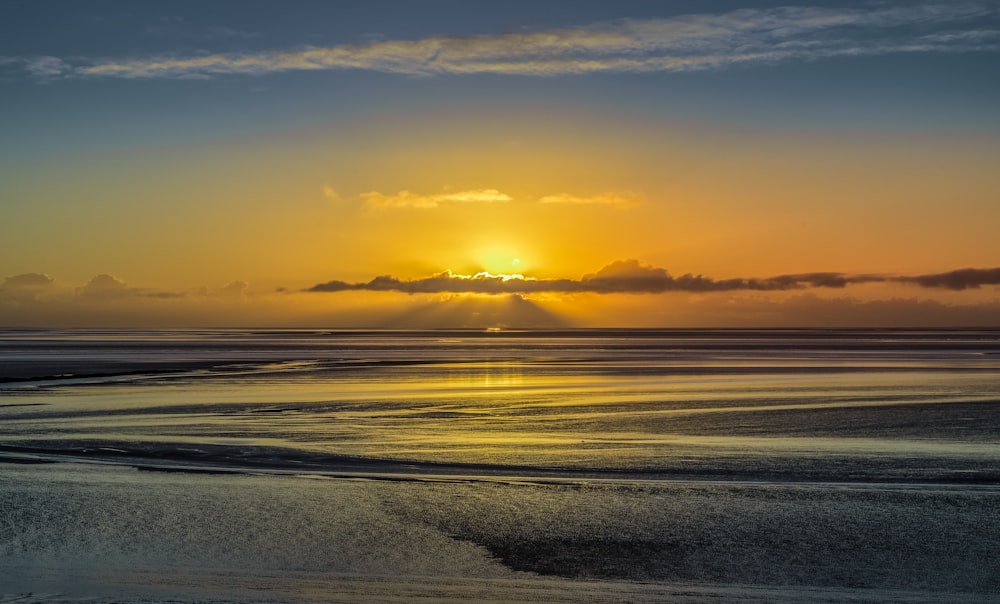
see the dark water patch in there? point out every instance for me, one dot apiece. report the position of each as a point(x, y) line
point(833, 469)
point(595, 559)
point(17, 459)
point(206, 410)
point(247, 459)
point(891, 537)
point(941, 421)
point(188, 470)
point(81, 371)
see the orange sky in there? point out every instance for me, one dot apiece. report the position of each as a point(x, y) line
point(551, 177)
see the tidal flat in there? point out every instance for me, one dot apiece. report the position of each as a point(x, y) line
point(616, 465)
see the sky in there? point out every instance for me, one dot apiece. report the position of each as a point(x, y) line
point(516, 164)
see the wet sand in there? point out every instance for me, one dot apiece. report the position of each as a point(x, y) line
point(78, 531)
point(774, 466)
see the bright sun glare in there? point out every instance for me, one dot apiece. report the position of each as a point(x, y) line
point(498, 258)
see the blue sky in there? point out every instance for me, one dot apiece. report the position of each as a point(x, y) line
point(948, 87)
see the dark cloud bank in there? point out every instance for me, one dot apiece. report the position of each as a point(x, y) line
point(631, 277)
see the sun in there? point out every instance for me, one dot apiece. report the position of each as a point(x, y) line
point(499, 258)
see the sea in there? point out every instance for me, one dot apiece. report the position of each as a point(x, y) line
point(500, 465)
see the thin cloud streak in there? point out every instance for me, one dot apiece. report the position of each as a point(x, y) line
point(406, 199)
point(607, 199)
point(409, 199)
point(631, 277)
point(684, 43)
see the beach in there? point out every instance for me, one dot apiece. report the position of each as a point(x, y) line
point(594, 465)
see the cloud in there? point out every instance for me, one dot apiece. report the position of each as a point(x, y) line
point(330, 194)
point(966, 278)
point(104, 286)
point(675, 44)
point(610, 199)
point(39, 67)
point(27, 280)
point(406, 199)
point(632, 277)
point(234, 290)
point(25, 287)
point(629, 276)
point(46, 67)
point(445, 282)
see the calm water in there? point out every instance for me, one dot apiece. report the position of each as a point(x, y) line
point(830, 459)
point(879, 406)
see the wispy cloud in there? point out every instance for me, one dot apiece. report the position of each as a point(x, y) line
point(330, 193)
point(409, 199)
point(47, 67)
point(683, 43)
point(632, 277)
point(406, 199)
point(39, 67)
point(609, 199)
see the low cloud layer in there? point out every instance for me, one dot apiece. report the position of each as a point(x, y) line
point(104, 289)
point(24, 288)
point(683, 43)
point(632, 277)
point(968, 278)
point(104, 286)
point(26, 281)
point(36, 300)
